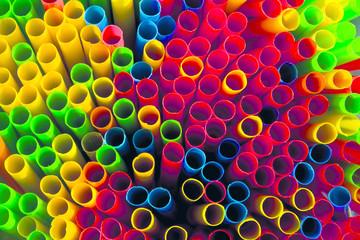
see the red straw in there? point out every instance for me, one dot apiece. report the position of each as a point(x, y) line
point(246, 63)
point(303, 49)
point(120, 183)
point(148, 93)
point(233, 45)
point(282, 165)
point(316, 105)
point(215, 192)
point(199, 47)
point(285, 186)
point(112, 229)
point(176, 50)
point(323, 210)
point(169, 71)
point(185, 87)
point(213, 24)
point(135, 234)
point(112, 37)
point(295, 117)
point(224, 110)
point(87, 217)
point(47, 4)
point(195, 137)
point(216, 62)
point(330, 231)
point(173, 107)
point(186, 25)
point(208, 87)
point(125, 87)
point(110, 204)
point(215, 130)
point(279, 96)
point(248, 105)
point(291, 3)
point(296, 149)
point(264, 81)
point(235, 25)
point(244, 164)
point(267, 56)
point(278, 132)
point(199, 113)
point(90, 233)
point(211, 4)
point(260, 146)
point(263, 177)
point(261, 9)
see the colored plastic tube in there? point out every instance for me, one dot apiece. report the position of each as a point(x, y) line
point(100, 60)
point(70, 45)
point(220, 234)
point(136, 221)
point(246, 63)
point(84, 195)
point(215, 130)
point(212, 171)
point(311, 227)
point(137, 196)
point(146, 31)
point(22, 52)
point(7, 132)
point(233, 45)
point(74, 13)
point(304, 173)
point(193, 6)
point(59, 4)
point(91, 142)
point(6, 13)
point(29, 73)
point(285, 186)
point(307, 201)
point(233, 83)
point(95, 175)
point(330, 230)
point(77, 121)
point(259, 140)
point(120, 183)
point(149, 10)
point(194, 161)
point(192, 190)
point(66, 149)
point(265, 80)
point(48, 161)
point(207, 89)
point(337, 79)
point(88, 217)
point(147, 93)
point(10, 31)
point(109, 203)
point(173, 107)
point(149, 118)
point(171, 163)
point(248, 105)
point(52, 187)
point(64, 229)
point(176, 232)
point(227, 150)
point(185, 87)
point(269, 206)
point(195, 136)
point(161, 200)
point(176, 50)
point(169, 71)
point(8, 99)
point(5, 56)
point(133, 233)
point(279, 133)
point(199, 113)
point(44, 129)
point(214, 192)
point(262, 177)
point(71, 173)
point(90, 233)
point(20, 118)
point(104, 91)
point(10, 222)
point(27, 225)
point(339, 197)
point(154, 53)
point(211, 214)
point(60, 207)
point(143, 166)
point(321, 62)
point(112, 229)
point(82, 73)
point(58, 104)
point(116, 138)
point(216, 62)
point(23, 11)
point(112, 37)
point(53, 81)
point(213, 24)
point(288, 222)
point(186, 25)
point(125, 114)
point(9, 198)
point(166, 27)
point(95, 15)
point(320, 153)
point(171, 131)
point(90, 35)
point(35, 235)
point(54, 19)
point(124, 17)
point(141, 70)
point(79, 97)
point(125, 87)
point(191, 67)
point(27, 147)
point(315, 133)
point(110, 159)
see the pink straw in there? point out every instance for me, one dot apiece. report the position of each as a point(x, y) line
point(185, 87)
point(278, 97)
point(235, 25)
point(125, 86)
point(278, 132)
point(112, 37)
point(195, 137)
point(173, 107)
point(213, 24)
point(224, 110)
point(199, 47)
point(199, 113)
point(233, 45)
point(216, 62)
point(248, 105)
point(176, 50)
point(208, 87)
point(186, 25)
point(169, 71)
point(260, 146)
point(148, 93)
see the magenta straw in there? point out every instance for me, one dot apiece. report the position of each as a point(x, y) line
point(233, 45)
point(185, 86)
point(199, 113)
point(283, 41)
point(330, 231)
point(215, 192)
point(112, 229)
point(282, 165)
point(263, 177)
point(148, 93)
point(295, 117)
point(120, 183)
point(91, 233)
point(278, 132)
point(235, 25)
point(262, 9)
point(87, 217)
point(296, 149)
point(195, 136)
point(260, 146)
point(211, 4)
point(215, 130)
point(208, 88)
point(248, 105)
point(213, 24)
point(291, 3)
point(346, 150)
point(176, 50)
point(301, 50)
point(279, 96)
point(267, 56)
point(186, 25)
point(224, 110)
point(246, 63)
point(125, 87)
point(110, 204)
point(323, 210)
point(244, 164)
point(171, 164)
point(169, 71)
point(331, 175)
point(316, 105)
point(216, 63)
point(264, 81)
point(285, 186)
point(199, 47)
point(173, 107)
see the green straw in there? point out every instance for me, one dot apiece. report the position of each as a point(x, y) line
point(23, 11)
point(58, 104)
point(91, 142)
point(343, 31)
point(20, 118)
point(7, 132)
point(345, 103)
point(37, 235)
point(105, 4)
point(44, 129)
point(82, 73)
point(125, 114)
point(30, 204)
point(48, 161)
point(171, 131)
point(347, 52)
point(9, 221)
point(23, 52)
point(5, 10)
point(352, 10)
point(309, 19)
point(110, 159)
point(122, 59)
point(28, 147)
point(321, 62)
point(9, 197)
point(78, 122)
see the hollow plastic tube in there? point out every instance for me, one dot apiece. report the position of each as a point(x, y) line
point(7, 132)
point(185, 87)
point(199, 113)
point(171, 163)
point(166, 27)
point(323, 210)
point(8, 99)
point(176, 231)
point(6, 12)
point(100, 60)
point(149, 10)
point(58, 104)
point(82, 73)
point(70, 45)
point(315, 132)
point(112, 37)
point(303, 199)
point(104, 91)
point(148, 93)
point(91, 142)
point(10, 198)
point(193, 6)
point(20, 118)
point(161, 200)
point(171, 131)
point(337, 79)
point(10, 31)
point(269, 206)
point(279, 133)
point(265, 9)
point(6, 79)
point(84, 195)
point(345, 103)
point(52, 187)
point(154, 53)
point(133, 233)
point(173, 107)
point(136, 220)
point(77, 121)
point(66, 149)
point(137, 196)
point(249, 229)
point(124, 17)
point(71, 173)
point(265, 80)
point(95, 175)
point(186, 25)
point(53, 81)
point(146, 31)
point(233, 83)
point(54, 19)
point(149, 118)
point(125, 114)
point(23, 52)
point(30, 74)
point(304, 173)
point(5, 56)
point(90, 233)
point(116, 138)
point(248, 105)
point(60, 207)
point(310, 17)
point(110, 159)
point(59, 4)
point(311, 227)
point(246, 63)
point(176, 50)
point(27, 147)
point(143, 166)
point(296, 149)
point(283, 165)
point(244, 164)
point(169, 70)
point(213, 24)
point(227, 150)
point(141, 70)
point(339, 197)
point(215, 130)
point(191, 67)
point(125, 87)
point(330, 230)
point(211, 171)
point(64, 229)
point(90, 35)
point(120, 183)
point(259, 140)
point(192, 190)
point(285, 186)
point(88, 217)
point(321, 62)
point(288, 222)
point(10, 222)
point(74, 13)
point(109, 203)
point(95, 15)
point(194, 161)
point(195, 136)
point(320, 153)
point(23, 11)
point(233, 45)
point(262, 177)
point(309, 84)
point(211, 214)
point(79, 97)
point(111, 228)
point(237, 191)
point(216, 62)
point(35, 235)
point(279, 96)
point(27, 225)
point(44, 129)
point(48, 161)
point(295, 117)
point(207, 89)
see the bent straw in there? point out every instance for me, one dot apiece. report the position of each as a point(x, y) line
point(144, 168)
point(66, 149)
point(71, 173)
point(60, 207)
point(74, 13)
point(186, 25)
point(79, 97)
point(116, 138)
point(110, 159)
point(194, 161)
point(77, 121)
point(31, 205)
point(122, 59)
point(5, 56)
point(100, 60)
point(95, 15)
point(44, 129)
point(10, 31)
point(90, 35)
point(90, 143)
point(125, 114)
point(53, 81)
point(20, 118)
point(52, 187)
point(48, 161)
point(64, 229)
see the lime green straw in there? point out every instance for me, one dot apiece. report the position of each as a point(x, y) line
point(345, 103)
point(122, 59)
point(23, 52)
point(28, 147)
point(23, 11)
point(9, 198)
point(343, 31)
point(5, 10)
point(44, 129)
point(7, 132)
point(352, 10)
point(110, 159)
point(171, 131)
point(347, 52)
point(125, 114)
point(20, 118)
point(48, 161)
point(320, 62)
point(9, 221)
point(311, 17)
point(78, 122)
point(82, 73)
point(30, 204)
point(37, 235)
point(58, 104)
point(352, 174)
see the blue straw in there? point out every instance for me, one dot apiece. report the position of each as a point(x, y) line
point(311, 227)
point(160, 199)
point(140, 70)
point(237, 192)
point(212, 171)
point(194, 161)
point(95, 15)
point(116, 137)
point(288, 73)
point(227, 150)
point(268, 115)
point(149, 10)
point(193, 5)
point(304, 173)
point(137, 196)
point(339, 197)
point(320, 153)
point(166, 28)
point(143, 141)
point(235, 212)
point(147, 30)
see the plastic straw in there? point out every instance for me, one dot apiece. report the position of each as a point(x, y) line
point(95, 15)
point(213, 24)
point(71, 173)
point(166, 27)
point(84, 195)
point(64, 229)
point(186, 25)
point(31, 205)
point(160, 199)
point(28, 224)
point(29, 73)
point(133, 233)
point(192, 190)
point(77, 121)
point(27, 147)
point(88, 217)
point(191, 67)
point(137, 196)
point(147, 93)
point(23, 11)
point(149, 10)
point(143, 166)
point(30, 98)
point(5, 56)
point(52, 187)
point(171, 163)
point(147, 227)
point(53, 81)
point(149, 118)
point(9, 198)
point(120, 183)
point(176, 231)
point(154, 53)
point(147, 30)
point(66, 149)
point(48, 161)
point(100, 60)
point(22, 52)
point(44, 129)
point(8, 99)
point(141, 70)
point(211, 214)
point(20, 118)
point(6, 12)
point(58, 104)
point(90, 35)
point(90, 143)
point(116, 138)
point(74, 13)
point(112, 228)
point(79, 97)
point(185, 87)
point(195, 137)
point(10, 31)
point(288, 223)
point(109, 203)
point(10, 222)
point(54, 19)
point(35, 235)
point(173, 107)
point(176, 50)
point(110, 159)
point(193, 162)
point(112, 37)
point(212, 171)
point(104, 91)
